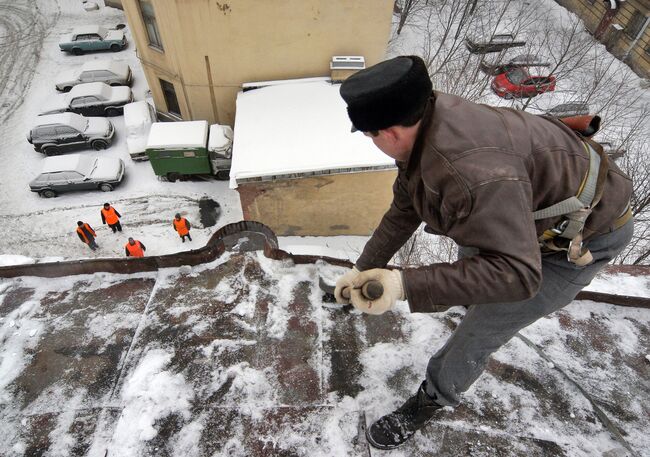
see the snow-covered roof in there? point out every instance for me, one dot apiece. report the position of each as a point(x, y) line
point(61, 163)
point(220, 137)
point(72, 119)
point(297, 128)
point(137, 113)
point(85, 89)
point(190, 134)
point(87, 29)
point(105, 64)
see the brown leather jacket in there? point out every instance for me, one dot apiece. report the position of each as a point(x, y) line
point(476, 174)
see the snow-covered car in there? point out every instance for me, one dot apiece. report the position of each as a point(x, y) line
point(93, 38)
point(56, 133)
point(106, 71)
point(518, 83)
point(496, 43)
point(92, 99)
point(77, 172)
point(138, 117)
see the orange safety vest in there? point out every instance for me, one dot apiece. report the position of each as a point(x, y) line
point(181, 226)
point(135, 250)
point(110, 216)
point(81, 232)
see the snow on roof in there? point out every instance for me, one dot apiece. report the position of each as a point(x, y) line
point(74, 120)
point(137, 113)
point(105, 64)
point(87, 29)
point(60, 163)
point(191, 134)
point(220, 137)
point(85, 89)
point(298, 127)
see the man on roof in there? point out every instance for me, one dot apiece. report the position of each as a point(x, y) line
point(535, 207)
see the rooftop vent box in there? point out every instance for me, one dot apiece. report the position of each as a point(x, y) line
point(344, 66)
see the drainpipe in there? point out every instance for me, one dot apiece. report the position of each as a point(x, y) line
point(638, 37)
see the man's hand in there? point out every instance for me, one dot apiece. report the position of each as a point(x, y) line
point(391, 280)
point(345, 282)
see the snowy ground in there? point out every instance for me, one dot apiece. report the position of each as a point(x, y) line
point(45, 228)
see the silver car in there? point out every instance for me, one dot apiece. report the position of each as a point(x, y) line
point(106, 71)
point(57, 133)
point(91, 99)
point(77, 172)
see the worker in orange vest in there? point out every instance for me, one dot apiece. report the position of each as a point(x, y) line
point(111, 217)
point(86, 234)
point(134, 248)
point(182, 226)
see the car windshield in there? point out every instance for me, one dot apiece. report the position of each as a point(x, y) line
point(86, 165)
point(516, 76)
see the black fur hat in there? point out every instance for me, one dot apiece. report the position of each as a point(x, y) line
point(387, 93)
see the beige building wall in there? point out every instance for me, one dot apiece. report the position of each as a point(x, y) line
point(342, 204)
point(634, 52)
point(210, 48)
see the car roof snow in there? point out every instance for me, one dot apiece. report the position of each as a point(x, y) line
point(87, 29)
point(81, 90)
point(105, 64)
point(72, 119)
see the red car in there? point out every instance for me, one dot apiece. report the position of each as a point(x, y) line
point(518, 83)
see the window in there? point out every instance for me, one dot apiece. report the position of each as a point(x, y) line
point(149, 19)
point(647, 49)
point(634, 26)
point(170, 97)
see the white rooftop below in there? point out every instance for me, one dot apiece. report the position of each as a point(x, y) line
point(298, 127)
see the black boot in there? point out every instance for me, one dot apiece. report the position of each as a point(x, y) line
point(395, 428)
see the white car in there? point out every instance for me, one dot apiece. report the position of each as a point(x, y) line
point(138, 117)
point(106, 71)
point(77, 172)
point(92, 99)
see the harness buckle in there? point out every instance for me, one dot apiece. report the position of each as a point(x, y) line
point(559, 228)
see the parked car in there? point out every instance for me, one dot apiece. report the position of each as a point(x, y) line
point(106, 71)
point(523, 60)
point(77, 172)
point(93, 38)
point(56, 133)
point(138, 117)
point(496, 43)
point(92, 99)
point(518, 83)
point(569, 109)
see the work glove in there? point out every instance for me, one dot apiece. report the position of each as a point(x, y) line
point(343, 282)
point(391, 280)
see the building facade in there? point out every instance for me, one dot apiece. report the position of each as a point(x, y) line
point(623, 26)
point(197, 53)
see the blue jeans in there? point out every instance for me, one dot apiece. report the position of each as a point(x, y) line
point(487, 327)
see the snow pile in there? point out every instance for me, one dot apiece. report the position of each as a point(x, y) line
point(150, 393)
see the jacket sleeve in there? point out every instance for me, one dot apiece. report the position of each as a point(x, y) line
point(92, 230)
point(395, 228)
point(187, 224)
point(507, 267)
point(81, 237)
point(142, 246)
point(103, 218)
point(118, 214)
point(127, 252)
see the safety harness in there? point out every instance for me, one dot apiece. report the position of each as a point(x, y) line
point(567, 234)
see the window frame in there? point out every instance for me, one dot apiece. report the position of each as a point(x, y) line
point(148, 15)
point(634, 25)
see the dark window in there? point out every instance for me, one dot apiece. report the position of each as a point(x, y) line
point(149, 18)
point(647, 49)
point(634, 26)
point(170, 97)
